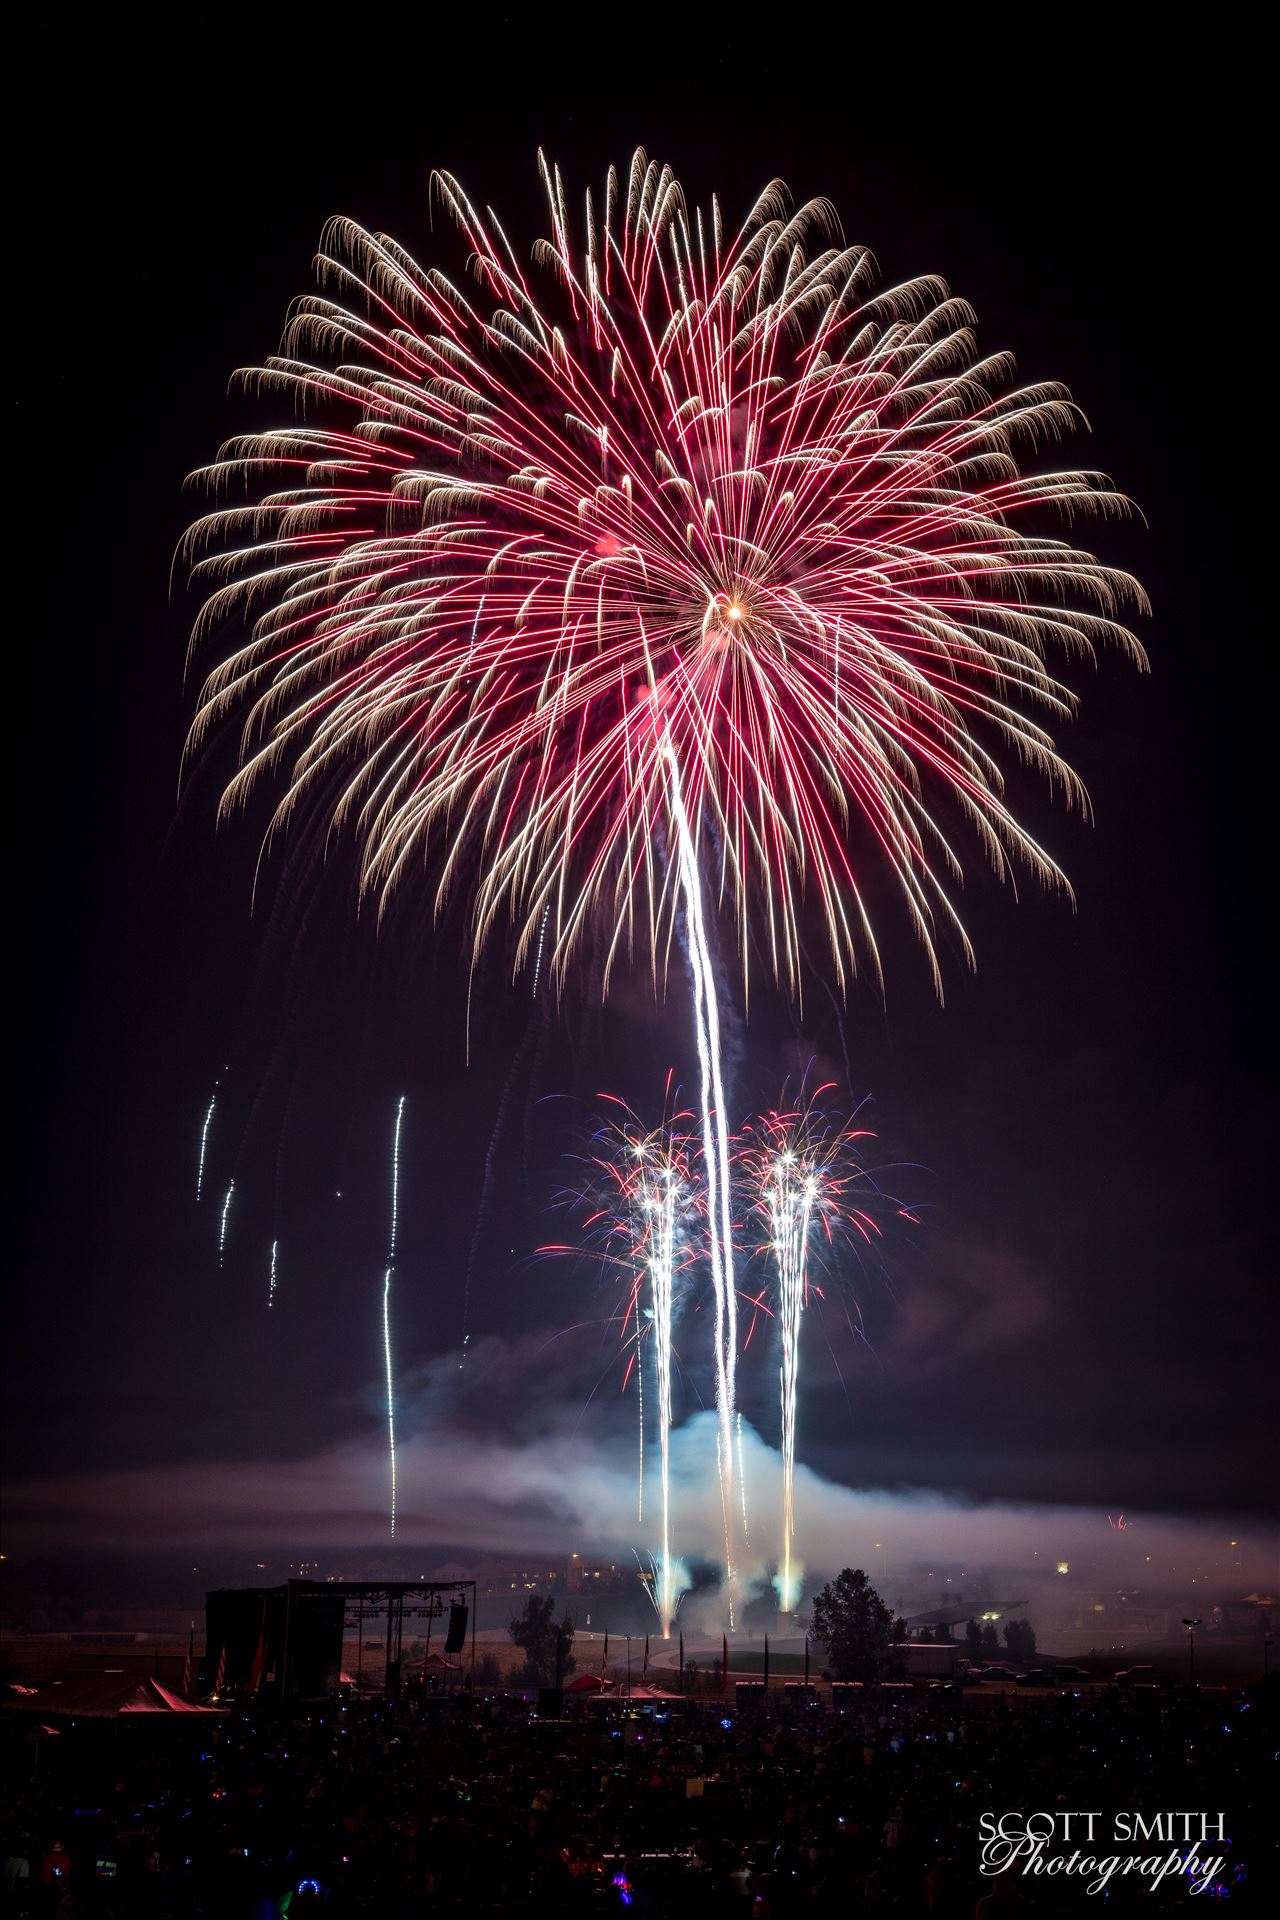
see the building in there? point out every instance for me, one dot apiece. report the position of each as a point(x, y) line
point(960, 1612)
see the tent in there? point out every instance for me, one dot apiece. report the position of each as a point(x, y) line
point(105, 1696)
point(633, 1696)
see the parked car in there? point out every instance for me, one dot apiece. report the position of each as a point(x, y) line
point(1037, 1677)
point(997, 1673)
point(1072, 1676)
point(1143, 1676)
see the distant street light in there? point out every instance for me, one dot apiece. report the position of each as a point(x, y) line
point(1191, 1626)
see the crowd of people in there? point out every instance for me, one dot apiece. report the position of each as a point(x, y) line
point(481, 1806)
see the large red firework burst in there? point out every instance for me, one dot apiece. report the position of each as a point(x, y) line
point(671, 520)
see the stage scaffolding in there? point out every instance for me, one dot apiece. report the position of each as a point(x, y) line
point(388, 1604)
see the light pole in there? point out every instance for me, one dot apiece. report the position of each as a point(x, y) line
point(1266, 1655)
point(1191, 1626)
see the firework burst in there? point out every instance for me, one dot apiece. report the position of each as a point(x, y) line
point(675, 501)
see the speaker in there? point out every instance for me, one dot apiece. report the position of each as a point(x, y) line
point(551, 1702)
point(456, 1638)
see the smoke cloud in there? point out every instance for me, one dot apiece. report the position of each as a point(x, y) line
point(567, 1487)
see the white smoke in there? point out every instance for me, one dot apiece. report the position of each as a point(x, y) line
point(567, 1489)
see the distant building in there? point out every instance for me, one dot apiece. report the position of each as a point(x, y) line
point(1250, 1618)
point(595, 1576)
point(961, 1612)
point(1133, 1613)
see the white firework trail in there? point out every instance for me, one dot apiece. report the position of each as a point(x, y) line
point(386, 1306)
point(803, 1174)
point(789, 1197)
point(649, 1202)
point(656, 1194)
point(640, 1397)
point(542, 937)
point(222, 1224)
point(742, 1485)
point(715, 1144)
point(661, 1284)
point(271, 1281)
point(204, 1142)
point(391, 1404)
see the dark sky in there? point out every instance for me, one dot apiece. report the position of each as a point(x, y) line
point(1083, 1316)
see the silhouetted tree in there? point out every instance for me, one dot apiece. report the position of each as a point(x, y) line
point(854, 1625)
point(990, 1641)
point(896, 1667)
point(973, 1640)
point(534, 1632)
point(1020, 1638)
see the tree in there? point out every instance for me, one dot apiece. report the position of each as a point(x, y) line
point(990, 1643)
point(854, 1625)
point(534, 1632)
point(1020, 1638)
point(973, 1640)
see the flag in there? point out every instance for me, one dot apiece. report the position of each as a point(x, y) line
point(806, 1659)
point(187, 1674)
point(221, 1674)
point(766, 1663)
point(644, 1671)
point(682, 1673)
point(724, 1663)
point(604, 1664)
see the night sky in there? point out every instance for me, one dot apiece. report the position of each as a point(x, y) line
point(1083, 1315)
